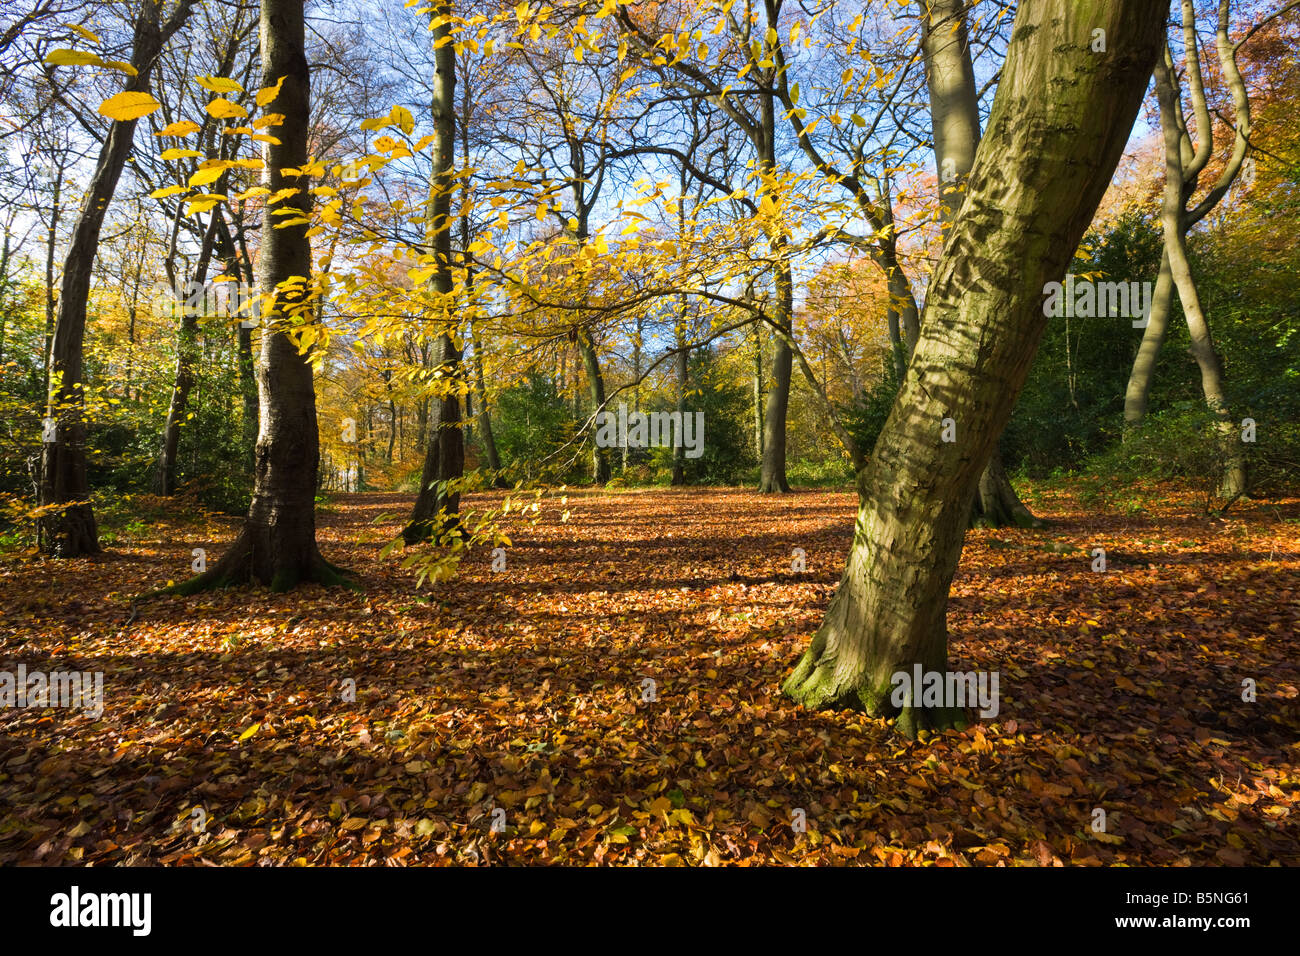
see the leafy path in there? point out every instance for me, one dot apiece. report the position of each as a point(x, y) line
point(226, 738)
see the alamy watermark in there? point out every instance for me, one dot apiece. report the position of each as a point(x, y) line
point(25, 688)
point(75, 909)
point(1085, 299)
point(220, 299)
point(651, 430)
point(950, 689)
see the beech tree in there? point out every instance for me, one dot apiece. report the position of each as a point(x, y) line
point(444, 461)
point(277, 545)
point(1185, 163)
point(1058, 125)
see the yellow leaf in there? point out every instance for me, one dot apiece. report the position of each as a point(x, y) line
point(224, 109)
point(218, 84)
point(83, 32)
point(398, 116)
point(125, 107)
point(202, 202)
point(122, 67)
point(403, 118)
point(72, 58)
point(249, 732)
point(179, 153)
point(205, 176)
point(167, 191)
point(181, 128)
point(267, 94)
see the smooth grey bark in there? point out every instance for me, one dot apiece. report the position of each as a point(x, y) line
point(772, 476)
point(51, 248)
point(758, 384)
point(1056, 132)
point(584, 333)
point(485, 415)
point(444, 458)
point(683, 355)
point(1183, 167)
point(1137, 393)
point(600, 467)
point(66, 526)
point(1198, 328)
point(954, 100)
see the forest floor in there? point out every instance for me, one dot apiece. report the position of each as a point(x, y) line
point(226, 737)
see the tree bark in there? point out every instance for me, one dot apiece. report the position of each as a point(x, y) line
point(600, 468)
point(1058, 126)
point(772, 477)
point(277, 545)
point(758, 391)
point(683, 367)
point(1138, 392)
point(444, 458)
point(485, 417)
point(66, 526)
point(1198, 328)
point(1184, 165)
point(955, 122)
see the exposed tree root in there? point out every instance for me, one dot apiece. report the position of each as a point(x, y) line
point(815, 685)
point(237, 568)
point(996, 503)
point(769, 485)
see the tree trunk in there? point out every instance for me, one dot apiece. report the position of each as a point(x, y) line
point(772, 476)
point(51, 247)
point(277, 545)
point(444, 458)
point(1198, 328)
point(955, 121)
point(238, 264)
point(600, 468)
point(1057, 129)
point(996, 503)
point(758, 391)
point(683, 354)
point(66, 527)
point(485, 418)
point(1138, 393)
